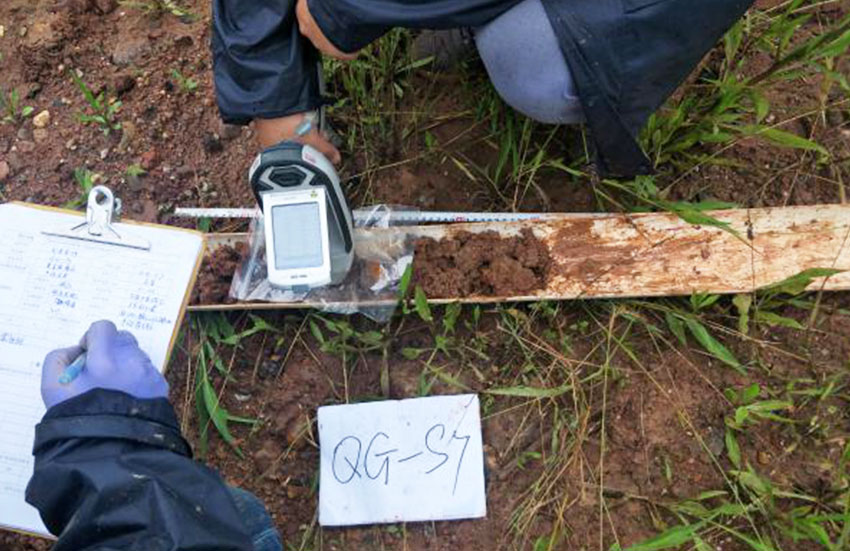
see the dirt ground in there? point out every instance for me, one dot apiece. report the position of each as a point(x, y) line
point(658, 415)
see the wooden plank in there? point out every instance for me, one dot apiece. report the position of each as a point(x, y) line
point(658, 254)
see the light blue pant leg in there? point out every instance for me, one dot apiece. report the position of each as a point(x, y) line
point(257, 520)
point(525, 64)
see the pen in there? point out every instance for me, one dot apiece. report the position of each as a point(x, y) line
point(306, 126)
point(73, 371)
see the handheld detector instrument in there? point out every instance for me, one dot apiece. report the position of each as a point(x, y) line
point(308, 225)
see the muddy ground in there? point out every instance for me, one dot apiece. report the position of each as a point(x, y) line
point(661, 419)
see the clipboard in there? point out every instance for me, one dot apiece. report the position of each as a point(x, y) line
point(58, 274)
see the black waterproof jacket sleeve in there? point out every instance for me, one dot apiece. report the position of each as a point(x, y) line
point(353, 24)
point(114, 473)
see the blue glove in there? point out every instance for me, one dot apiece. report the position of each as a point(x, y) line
point(114, 361)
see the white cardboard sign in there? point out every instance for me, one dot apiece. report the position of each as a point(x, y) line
point(401, 461)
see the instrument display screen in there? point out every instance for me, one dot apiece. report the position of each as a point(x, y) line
point(297, 236)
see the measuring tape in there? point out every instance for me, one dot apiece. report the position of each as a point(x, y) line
point(412, 217)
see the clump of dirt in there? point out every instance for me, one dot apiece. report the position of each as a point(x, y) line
point(216, 275)
point(481, 264)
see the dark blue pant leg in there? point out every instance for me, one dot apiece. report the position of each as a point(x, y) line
point(257, 521)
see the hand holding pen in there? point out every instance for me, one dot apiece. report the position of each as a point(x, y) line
point(105, 358)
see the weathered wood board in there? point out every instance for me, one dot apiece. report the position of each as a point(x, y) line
point(652, 254)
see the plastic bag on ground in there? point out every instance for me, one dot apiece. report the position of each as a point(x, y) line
point(380, 260)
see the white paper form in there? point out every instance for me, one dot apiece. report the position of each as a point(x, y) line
point(51, 290)
point(401, 461)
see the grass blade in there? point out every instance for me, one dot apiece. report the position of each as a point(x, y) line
point(672, 538)
point(712, 345)
point(530, 392)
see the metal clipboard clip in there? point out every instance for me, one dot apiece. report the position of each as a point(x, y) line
point(98, 225)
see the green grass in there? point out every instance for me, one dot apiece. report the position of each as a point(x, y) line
point(729, 100)
point(102, 110)
point(85, 180)
point(11, 109)
point(186, 84)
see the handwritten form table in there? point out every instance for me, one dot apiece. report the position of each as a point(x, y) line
point(401, 461)
point(51, 290)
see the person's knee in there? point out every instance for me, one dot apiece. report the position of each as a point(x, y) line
point(525, 64)
point(546, 99)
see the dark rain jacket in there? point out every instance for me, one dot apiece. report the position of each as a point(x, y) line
point(626, 56)
point(114, 473)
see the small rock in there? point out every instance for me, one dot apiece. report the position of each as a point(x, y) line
point(71, 145)
point(212, 143)
point(155, 33)
point(268, 368)
point(43, 32)
point(146, 211)
point(15, 160)
point(229, 131)
point(298, 430)
point(40, 135)
point(22, 32)
point(266, 457)
point(42, 120)
point(122, 84)
point(2, 31)
point(4, 171)
point(184, 172)
point(184, 41)
point(404, 383)
point(105, 7)
point(128, 51)
point(716, 443)
point(128, 136)
point(33, 89)
point(149, 159)
point(134, 181)
point(104, 153)
point(26, 146)
point(284, 418)
point(24, 134)
point(834, 118)
point(295, 492)
point(490, 458)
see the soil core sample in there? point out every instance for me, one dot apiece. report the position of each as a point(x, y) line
point(481, 264)
point(216, 275)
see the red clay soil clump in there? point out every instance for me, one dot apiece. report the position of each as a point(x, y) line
point(481, 264)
